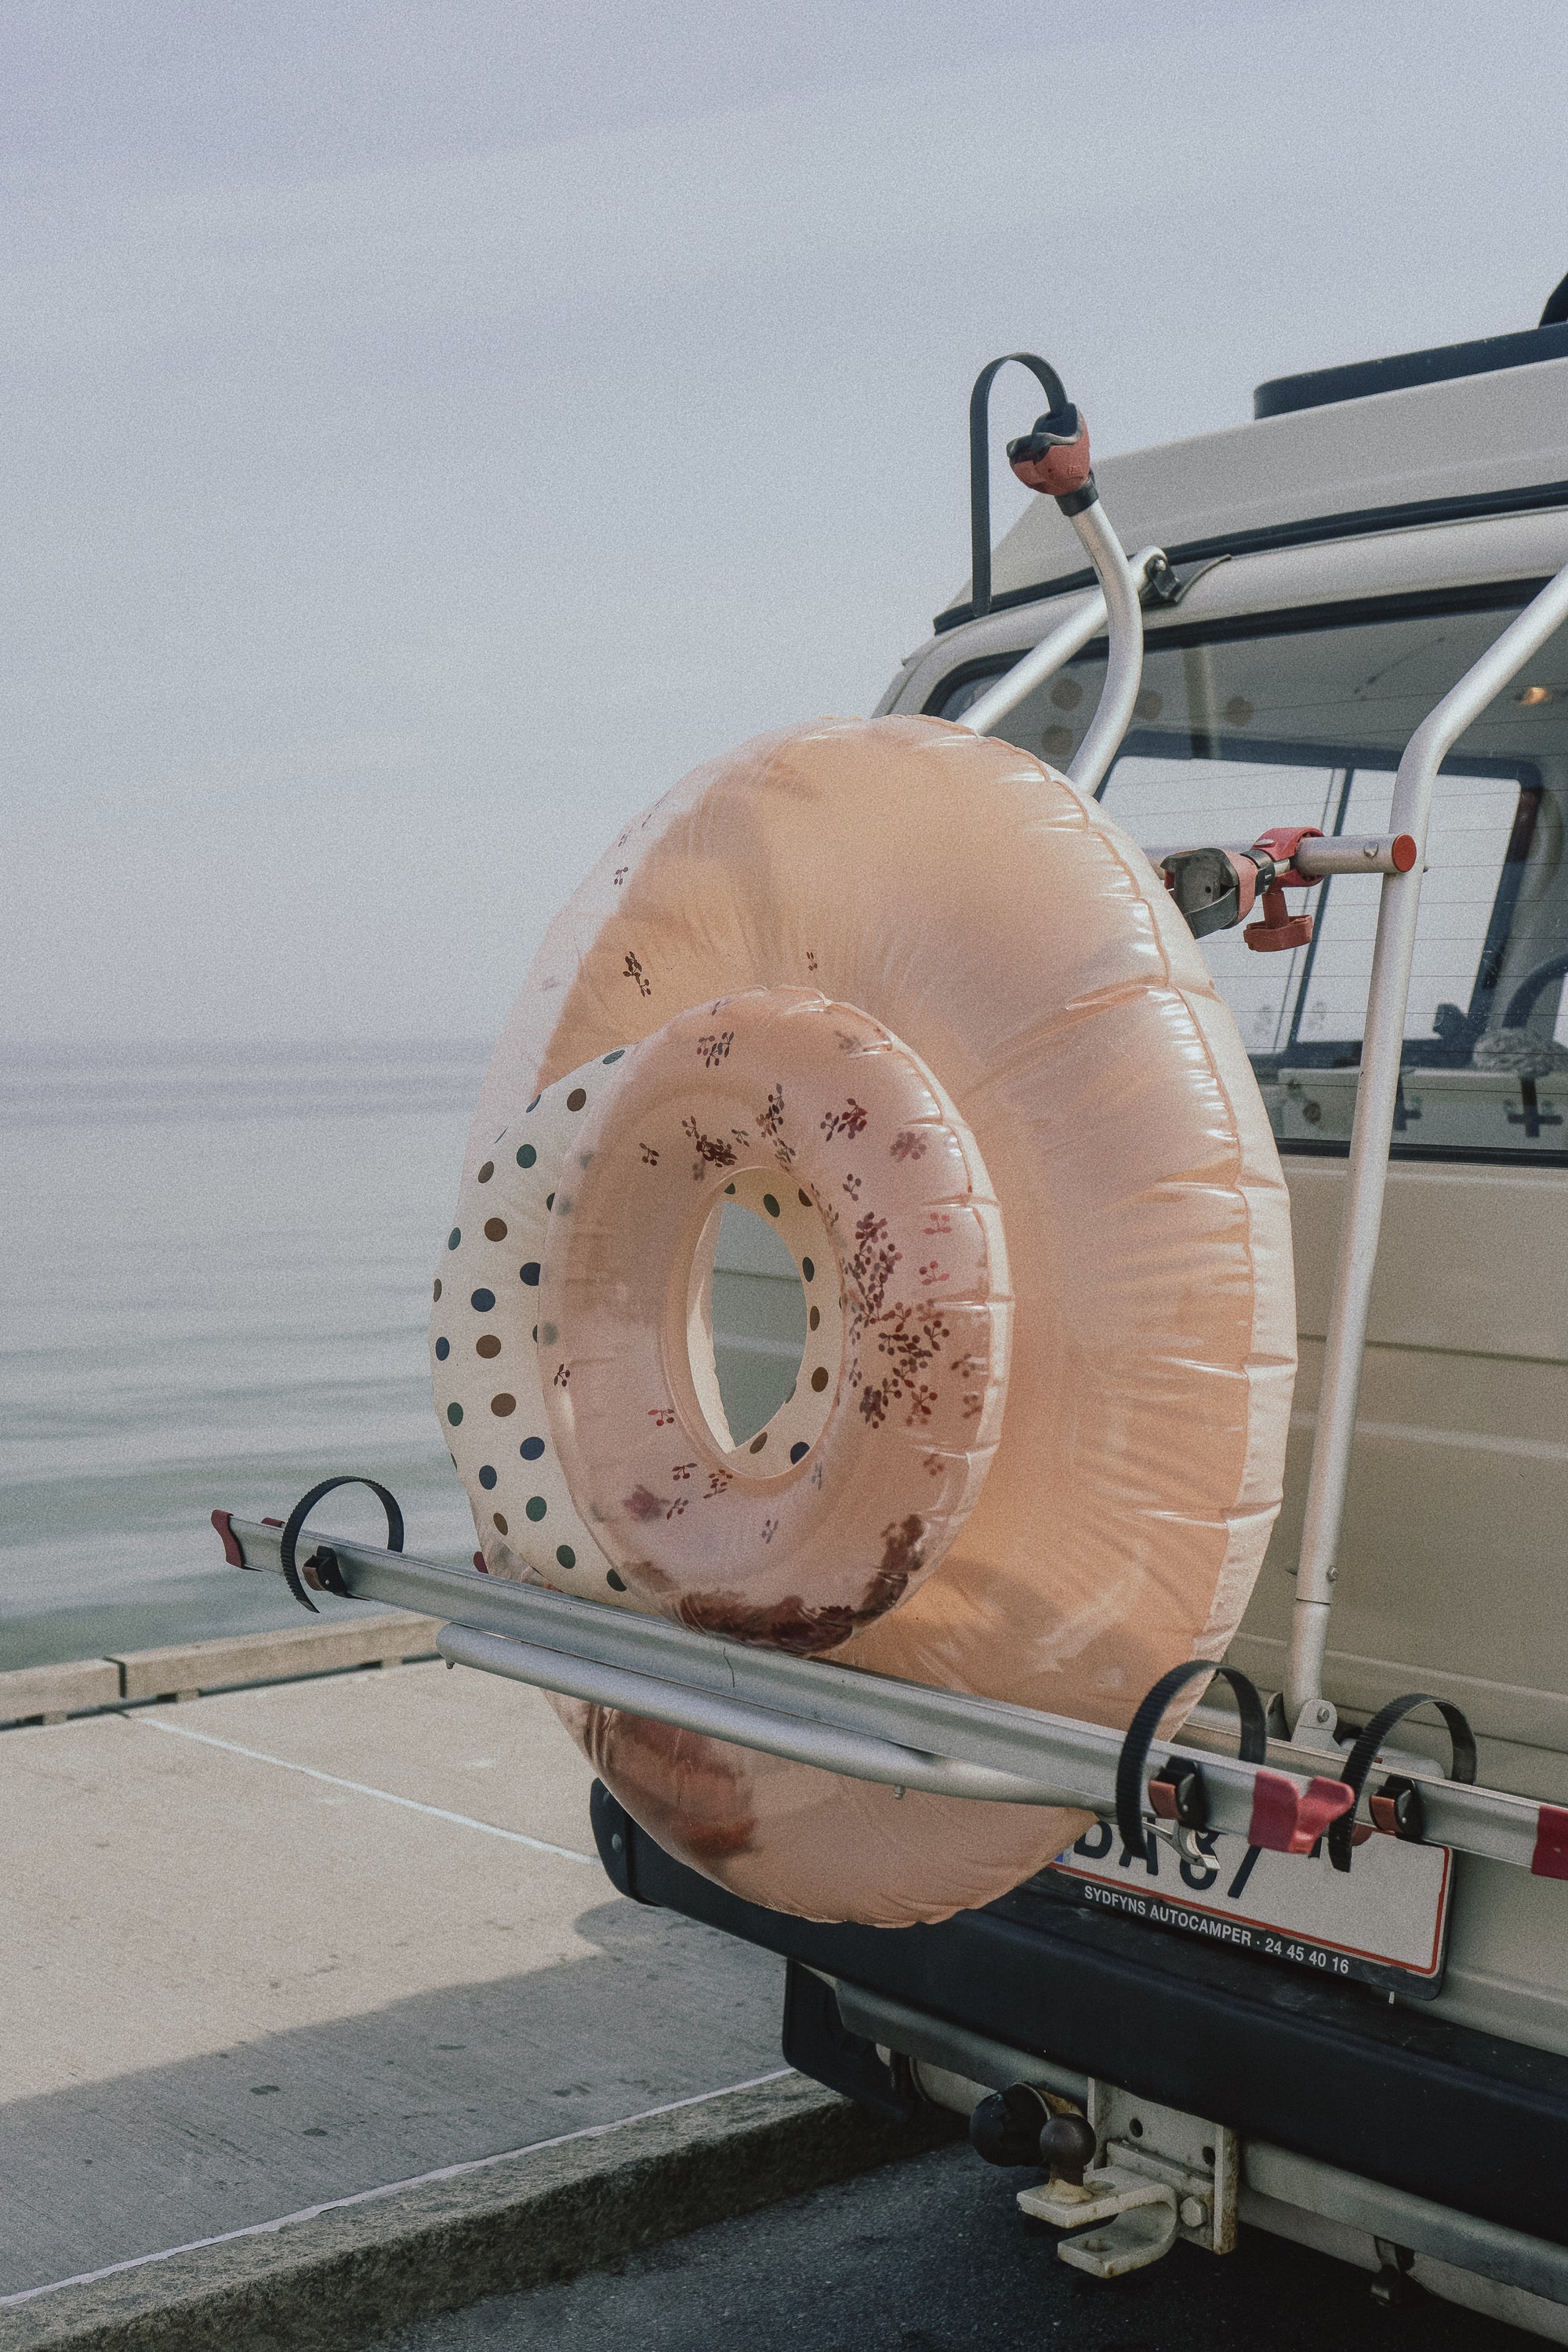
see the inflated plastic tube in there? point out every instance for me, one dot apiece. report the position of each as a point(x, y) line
point(821, 1524)
point(571, 1342)
point(1003, 932)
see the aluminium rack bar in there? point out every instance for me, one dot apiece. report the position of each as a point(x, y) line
point(1053, 651)
point(866, 1726)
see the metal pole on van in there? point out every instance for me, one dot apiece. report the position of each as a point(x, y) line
point(1053, 459)
point(1309, 1713)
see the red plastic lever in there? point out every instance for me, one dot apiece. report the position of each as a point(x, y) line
point(1279, 929)
point(1550, 1859)
point(231, 1549)
point(1288, 1819)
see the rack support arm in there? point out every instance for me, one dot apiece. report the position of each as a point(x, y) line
point(1370, 1134)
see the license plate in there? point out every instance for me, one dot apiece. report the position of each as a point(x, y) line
point(1384, 1922)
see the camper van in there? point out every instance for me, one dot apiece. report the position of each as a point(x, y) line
point(1394, 2090)
point(1305, 1969)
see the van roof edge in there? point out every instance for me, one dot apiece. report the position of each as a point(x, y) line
point(1325, 387)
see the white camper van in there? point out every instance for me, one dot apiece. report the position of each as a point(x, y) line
point(1385, 2077)
point(1321, 1988)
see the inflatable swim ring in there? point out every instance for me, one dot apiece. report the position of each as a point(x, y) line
point(1006, 961)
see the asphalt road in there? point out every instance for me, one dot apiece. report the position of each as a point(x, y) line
point(935, 2254)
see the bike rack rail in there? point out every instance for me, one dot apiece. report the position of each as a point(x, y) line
point(869, 1727)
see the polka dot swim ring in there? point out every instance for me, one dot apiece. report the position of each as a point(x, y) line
point(579, 1293)
point(486, 1346)
point(965, 903)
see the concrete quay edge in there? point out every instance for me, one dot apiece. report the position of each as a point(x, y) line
point(188, 1669)
point(359, 2269)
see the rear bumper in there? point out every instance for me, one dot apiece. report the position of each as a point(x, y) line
point(1336, 2074)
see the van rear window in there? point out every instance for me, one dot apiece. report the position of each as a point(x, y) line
point(1253, 723)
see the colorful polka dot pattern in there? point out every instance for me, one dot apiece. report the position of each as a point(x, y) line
point(484, 1352)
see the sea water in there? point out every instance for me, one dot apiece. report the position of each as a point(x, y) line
point(215, 1275)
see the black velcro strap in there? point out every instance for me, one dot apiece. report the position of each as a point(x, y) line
point(327, 1566)
point(1135, 1757)
point(1362, 1755)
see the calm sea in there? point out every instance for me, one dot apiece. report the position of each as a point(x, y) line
point(214, 1281)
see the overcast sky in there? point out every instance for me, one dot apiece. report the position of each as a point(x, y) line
point(431, 429)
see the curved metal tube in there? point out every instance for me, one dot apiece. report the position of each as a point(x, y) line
point(1124, 665)
point(1370, 1133)
point(832, 1747)
point(985, 714)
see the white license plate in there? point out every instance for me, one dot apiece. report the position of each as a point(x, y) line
point(1383, 1922)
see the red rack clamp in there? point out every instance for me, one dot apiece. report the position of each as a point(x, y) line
point(1273, 852)
point(1288, 1819)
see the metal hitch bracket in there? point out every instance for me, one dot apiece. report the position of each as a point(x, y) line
point(1162, 2175)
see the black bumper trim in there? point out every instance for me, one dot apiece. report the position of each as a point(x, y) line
point(1396, 2095)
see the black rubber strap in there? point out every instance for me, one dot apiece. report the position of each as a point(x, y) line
point(1362, 1753)
point(328, 1567)
point(1050, 383)
point(1131, 1763)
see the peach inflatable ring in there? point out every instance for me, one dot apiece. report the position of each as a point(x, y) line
point(581, 1397)
point(1057, 1331)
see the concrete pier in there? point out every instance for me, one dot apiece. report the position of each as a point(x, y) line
point(283, 1945)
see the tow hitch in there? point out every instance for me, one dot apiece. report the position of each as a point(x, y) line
point(1129, 2178)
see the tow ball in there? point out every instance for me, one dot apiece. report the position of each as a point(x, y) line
point(1128, 2178)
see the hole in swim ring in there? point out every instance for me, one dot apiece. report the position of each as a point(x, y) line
point(748, 1322)
point(759, 1321)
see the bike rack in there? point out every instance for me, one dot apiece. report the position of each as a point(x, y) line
point(1399, 857)
point(871, 1727)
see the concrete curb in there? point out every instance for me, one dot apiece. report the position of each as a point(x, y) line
point(347, 2276)
point(186, 1670)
